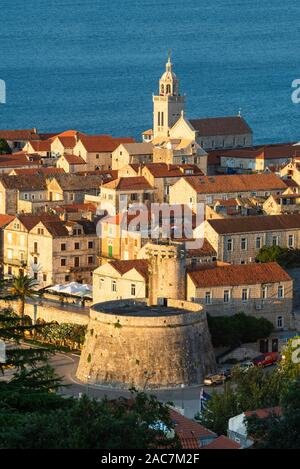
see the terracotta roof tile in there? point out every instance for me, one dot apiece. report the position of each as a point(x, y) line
point(235, 183)
point(222, 442)
point(73, 159)
point(5, 219)
point(256, 223)
point(26, 134)
point(124, 266)
point(103, 143)
point(24, 182)
point(264, 413)
point(211, 126)
point(187, 428)
point(162, 170)
point(239, 274)
point(131, 183)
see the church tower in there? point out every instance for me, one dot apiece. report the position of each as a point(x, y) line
point(168, 105)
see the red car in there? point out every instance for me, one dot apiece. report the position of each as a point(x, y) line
point(266, 359)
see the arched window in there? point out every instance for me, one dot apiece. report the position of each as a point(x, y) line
point(162, 89)
point(168, 89)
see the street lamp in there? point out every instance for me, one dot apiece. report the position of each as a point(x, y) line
point(87, 384)
point(182, 401)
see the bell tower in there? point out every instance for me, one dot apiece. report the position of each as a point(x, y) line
point(168, 105)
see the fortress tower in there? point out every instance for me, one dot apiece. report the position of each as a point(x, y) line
point(168, 105)
point(167, 266)
point(129, 343)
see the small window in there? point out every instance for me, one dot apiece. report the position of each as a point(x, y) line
point(291, 241)
point(76, 262)
point(279, 322)
point(280, 292)
point(90, 259)
point(76, 245)
point(35, 260)
point(44, 277)
point(226, 296)
point(101, 284)
point(229, 244)
point(258, 242)
point(264, 292)
point(90, 244)
point(208, 298)
point(63, 247)
point(244, 244)
point(35, 275)
point(133, 289)
point(113, 286)
point(275, 240)
point(63, 262)
point(245, 295)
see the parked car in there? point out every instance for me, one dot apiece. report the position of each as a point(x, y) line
point(246, 365)
point(214, 379)
point(266, 359)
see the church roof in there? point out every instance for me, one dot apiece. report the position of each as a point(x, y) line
point(232, 125)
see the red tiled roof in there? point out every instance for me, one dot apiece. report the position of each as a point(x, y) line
point(41, 170)
point(264, 413)
point(211, 126)
point(26, 134)
point(18, 159)
point(67, 142)
point(141, 265)
point(256, 223)
point(222, 442)
point(162, 170)
point(73, 159)
point(29, 221)
point(238, 274)
point(132, 183)
point(41, 145)
point(5, 219)
point(235, 183)
point(187, 428)
point(71, 208)
point(103, 143)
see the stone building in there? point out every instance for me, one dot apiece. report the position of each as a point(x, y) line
point(209, 189)
point(258, 290)
point(17, 139)
point(122, 192)
point(169, 104)
point(129, 343)
point(132, 153)
point(117, 280)
point(96, 150)
point(51, 250)
point(223, 132)
point(238, 240)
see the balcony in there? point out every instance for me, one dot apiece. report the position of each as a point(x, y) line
point(15, 261)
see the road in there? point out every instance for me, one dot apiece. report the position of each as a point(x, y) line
point(66, 366)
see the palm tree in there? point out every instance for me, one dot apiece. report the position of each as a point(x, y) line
point(22, 287)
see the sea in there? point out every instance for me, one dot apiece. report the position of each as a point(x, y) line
point(93, 65)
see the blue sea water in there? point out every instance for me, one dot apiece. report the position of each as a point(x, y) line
point(93, 65)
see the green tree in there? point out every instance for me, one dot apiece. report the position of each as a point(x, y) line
point(279, 432)
point(34, 415)
point(4, 147)
point(240, 328)
point(286, 257)
point(219, 409)
point(23, 287)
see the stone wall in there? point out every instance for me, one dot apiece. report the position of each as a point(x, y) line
point(51, 311)
point(146, 347)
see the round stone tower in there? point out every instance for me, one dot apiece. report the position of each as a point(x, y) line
point(129, 343)
point(167, 266)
